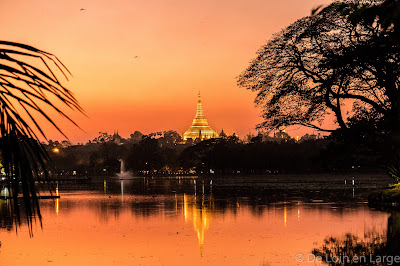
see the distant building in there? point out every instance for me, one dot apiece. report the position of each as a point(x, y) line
point(116, 138)
point(223, 135)
point(281, 136)
point(199, 128)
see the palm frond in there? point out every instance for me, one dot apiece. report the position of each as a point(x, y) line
point(29, 86)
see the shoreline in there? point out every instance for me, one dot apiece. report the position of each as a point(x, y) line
point(387, 199)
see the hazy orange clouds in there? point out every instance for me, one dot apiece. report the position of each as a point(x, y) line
point(138, 65)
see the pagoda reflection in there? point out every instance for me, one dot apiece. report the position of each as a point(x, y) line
point(199, 211)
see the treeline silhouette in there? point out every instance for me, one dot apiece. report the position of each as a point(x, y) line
point(166, 154)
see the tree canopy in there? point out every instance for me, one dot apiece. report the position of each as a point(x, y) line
point(345, 53)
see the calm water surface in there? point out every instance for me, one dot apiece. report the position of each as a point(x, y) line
point(188, 221)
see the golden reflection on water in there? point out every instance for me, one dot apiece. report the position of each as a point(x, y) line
point(57, 206)
point(284, 214)
point(57, 201)
point(298, 211)
point(200, 215)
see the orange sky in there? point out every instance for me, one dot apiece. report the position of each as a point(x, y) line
point(138, 64)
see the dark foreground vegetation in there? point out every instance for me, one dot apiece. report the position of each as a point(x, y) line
point(167, 155)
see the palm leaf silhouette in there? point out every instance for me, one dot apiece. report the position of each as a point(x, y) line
point(29, 89)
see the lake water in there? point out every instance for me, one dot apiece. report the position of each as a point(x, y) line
point(192, 221)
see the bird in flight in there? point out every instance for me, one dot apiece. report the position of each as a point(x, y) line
point(136, 57)
point(82, 9)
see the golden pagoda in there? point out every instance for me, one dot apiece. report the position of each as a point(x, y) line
point(199, 128)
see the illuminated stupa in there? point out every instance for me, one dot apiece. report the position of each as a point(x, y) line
point(199, 128)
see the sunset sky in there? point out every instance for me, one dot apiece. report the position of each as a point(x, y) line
point(139, 64)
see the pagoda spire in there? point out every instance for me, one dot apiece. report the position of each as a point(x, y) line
point(199, 113)
point(199, 128)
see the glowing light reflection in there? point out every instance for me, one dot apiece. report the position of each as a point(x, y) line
point(284, 215)
point(199, 215)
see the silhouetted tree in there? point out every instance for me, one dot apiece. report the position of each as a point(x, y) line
point(172, 137)
point(103, 137)
point(145, 155)
point(105, 160)
point(136, 136)
point(345, 53)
